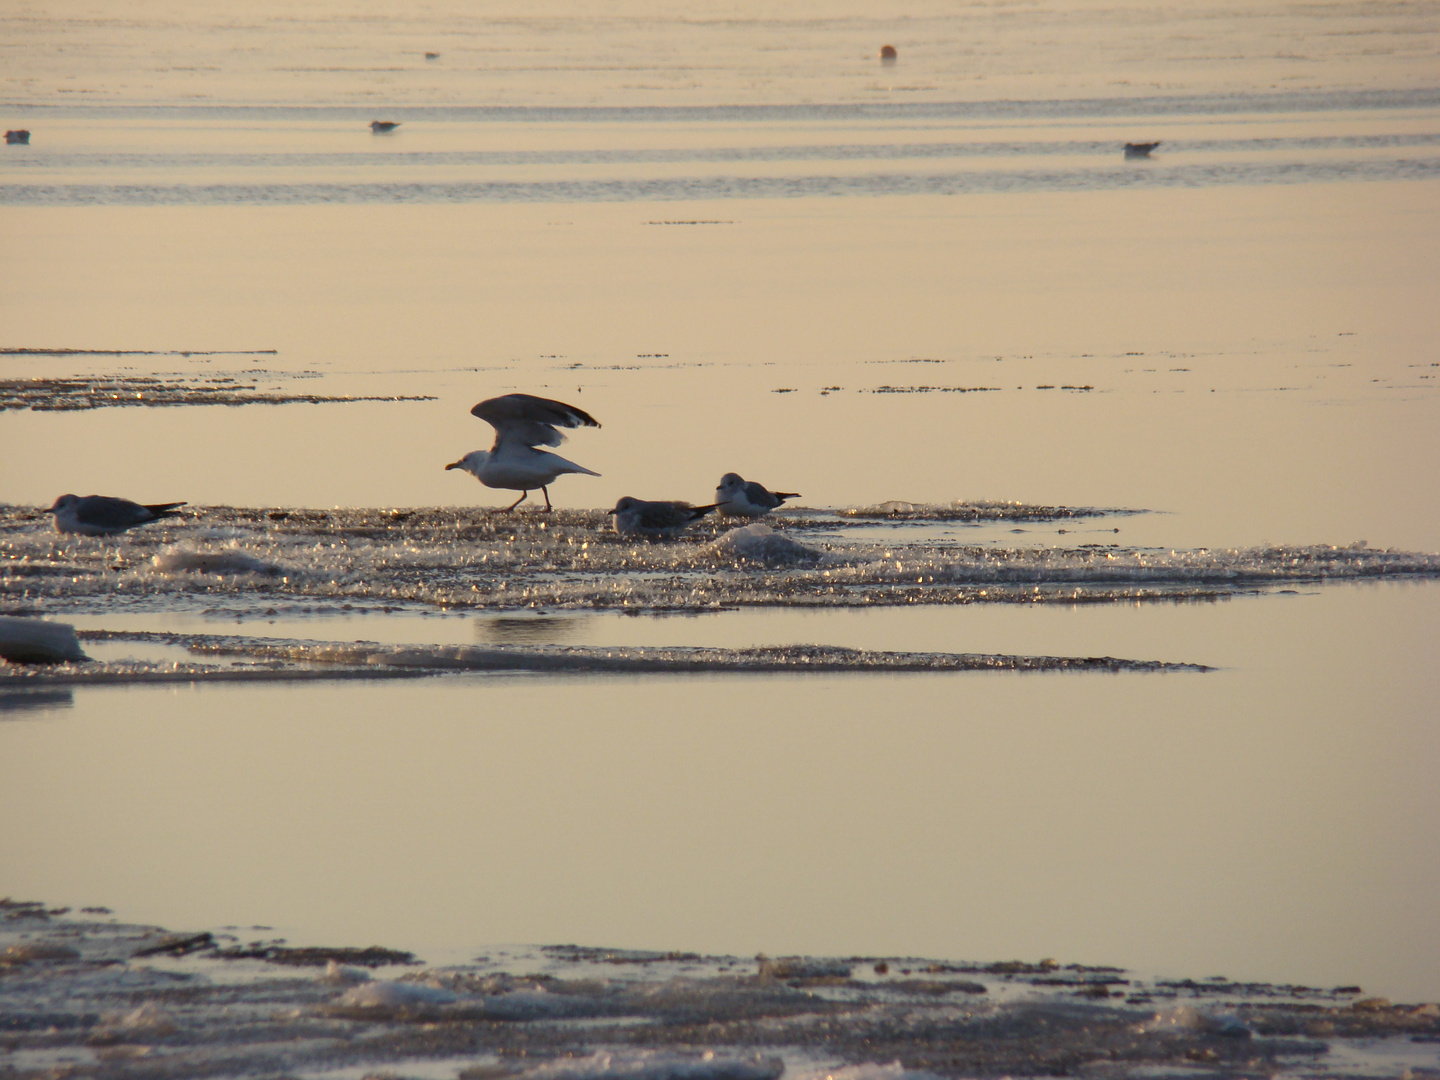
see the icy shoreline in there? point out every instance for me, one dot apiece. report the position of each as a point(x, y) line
point(88, 996)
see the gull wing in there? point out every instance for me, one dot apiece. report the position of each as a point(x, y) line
point(668, 515)
point(529, 420)
point(106, 512)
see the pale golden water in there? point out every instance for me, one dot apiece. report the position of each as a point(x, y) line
point(1260, 357)
point(1274, 816)
point(1248, 352)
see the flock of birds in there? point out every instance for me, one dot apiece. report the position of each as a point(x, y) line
point(523, 424)
point(21, 136)
point(1133, 150)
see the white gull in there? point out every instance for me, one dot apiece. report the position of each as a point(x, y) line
point(738, 497)
point(522, 422)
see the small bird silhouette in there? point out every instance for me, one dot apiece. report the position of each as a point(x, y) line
point(655, 520)
point(1140, 149)
point(19, 137)
point(103, 515)
point(383, 127)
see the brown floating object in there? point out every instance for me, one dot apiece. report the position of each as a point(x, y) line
point(887, 52)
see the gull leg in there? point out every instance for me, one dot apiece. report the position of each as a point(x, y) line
point(547, 497)
point(516, 503)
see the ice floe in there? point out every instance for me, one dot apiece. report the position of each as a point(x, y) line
point(569, 560)
point(271, 659)
point(85, 996)
point(37, 641)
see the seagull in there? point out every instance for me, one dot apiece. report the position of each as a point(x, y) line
point(383, 127)
point(101, 515)
point(1139, 149)
point(738, 497)
point(522, 422)
point(656, 520)
point(19, 137)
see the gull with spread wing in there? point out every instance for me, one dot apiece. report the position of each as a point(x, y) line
point(523, 422)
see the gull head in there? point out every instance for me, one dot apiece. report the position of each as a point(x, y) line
point(731, 482)
point(472, 462)
point(63, 503)
point(625, 503)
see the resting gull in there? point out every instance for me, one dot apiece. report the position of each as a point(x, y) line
point(522, 422)
point(738, 497)
point(102, 515)
point(656, 520)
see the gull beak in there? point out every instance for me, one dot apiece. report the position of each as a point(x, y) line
point(454, 464)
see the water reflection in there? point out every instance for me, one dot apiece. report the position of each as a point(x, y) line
point(530, 629)
point(28, 704)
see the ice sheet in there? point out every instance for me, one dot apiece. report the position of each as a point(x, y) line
point(96, 997)
point(568, 560)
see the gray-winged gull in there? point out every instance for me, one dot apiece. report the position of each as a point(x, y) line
point(738, 497)
point(102, 515)
point(522, 422)
point(642, 517)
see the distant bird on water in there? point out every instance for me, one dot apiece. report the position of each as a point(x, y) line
point(19, 137)
point(738, 497)
point(655, 520)
point(522, 422)
point(102, 515)
point(383, 127)
point(1140, 149)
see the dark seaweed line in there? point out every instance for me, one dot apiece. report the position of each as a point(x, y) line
point(601, 659)
point(40, 679)
point(720, 187)
point(713, 155)
point(1222, 103)
point(16, 351)
point(192, 397)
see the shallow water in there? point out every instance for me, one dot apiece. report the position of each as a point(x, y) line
point(742, 244)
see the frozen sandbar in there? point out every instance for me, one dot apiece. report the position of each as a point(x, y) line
point(89, 996)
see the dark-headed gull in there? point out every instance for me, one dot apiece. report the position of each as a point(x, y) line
point(102, 515)
point(656, 520)
point(522, 422)
point(738, 497)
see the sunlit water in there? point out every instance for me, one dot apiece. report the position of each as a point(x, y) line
point(744, 244)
